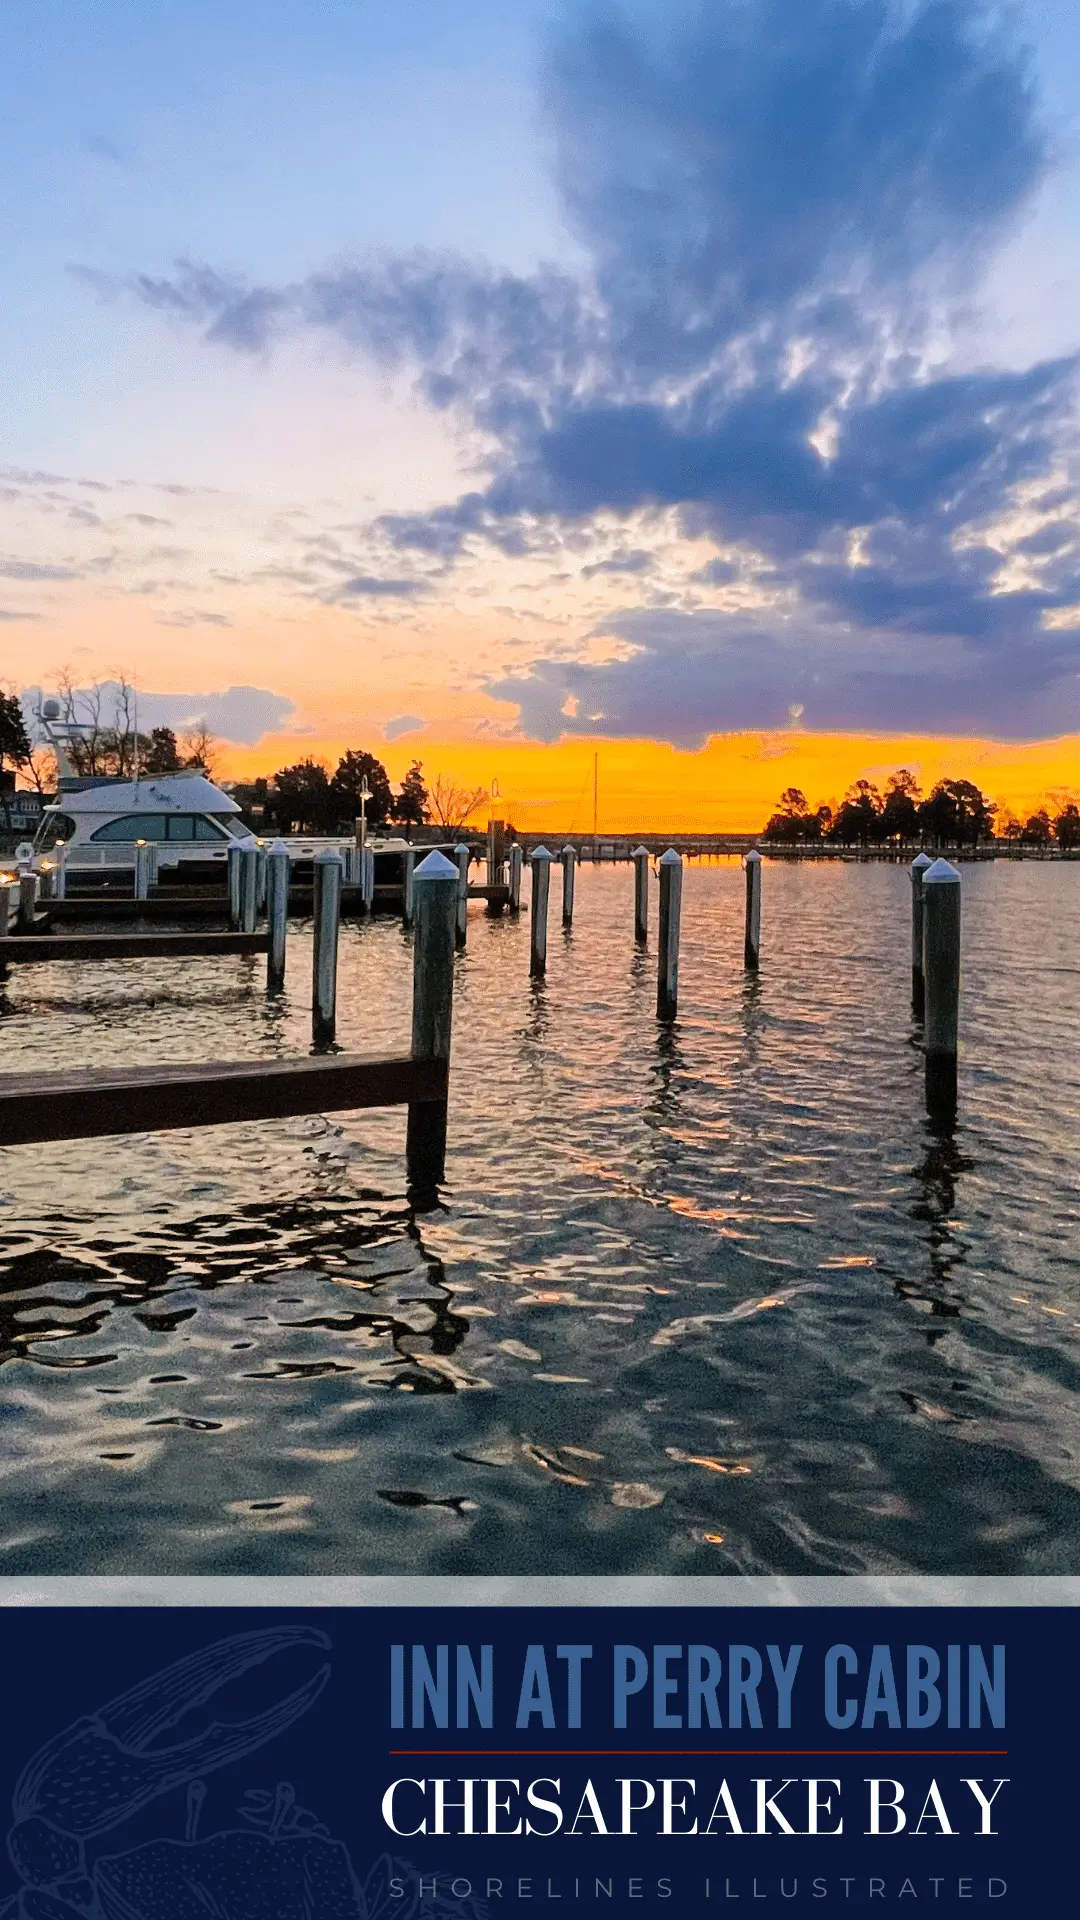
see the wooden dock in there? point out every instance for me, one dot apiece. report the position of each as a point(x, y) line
point(29, 948)
point(85, 1104)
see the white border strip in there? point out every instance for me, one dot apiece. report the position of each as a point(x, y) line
point(558, 1590)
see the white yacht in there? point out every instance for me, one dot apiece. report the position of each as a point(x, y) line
point(100, 822)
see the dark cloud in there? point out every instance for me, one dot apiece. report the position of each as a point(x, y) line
point(779, 200)
point(368, 586)
point(403, 723)
point(636, 561)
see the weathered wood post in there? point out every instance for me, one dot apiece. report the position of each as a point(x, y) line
point(144, 857)
point(462, 856)
point(260, 876)
point(640, 857)
point(60, 872)
point(569, 874)
point(354, 865)
point(277, 913)
point(27, 908)
point(514, 889)
point(752, 937)
point(367, 878)
point(327, 915)
point(408, 881)
point(233, 860)
point(249, 889)
point(540, 866)
point(941, 975)
point(667, 974)
point(919, 866)
point(435, 899)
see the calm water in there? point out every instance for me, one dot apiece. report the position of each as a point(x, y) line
point(711, 1299)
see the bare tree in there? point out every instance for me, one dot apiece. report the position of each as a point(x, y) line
point(454, 806)
point(199, 748)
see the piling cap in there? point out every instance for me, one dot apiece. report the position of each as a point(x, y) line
point(753, 854)
point(541, 853)
point(670, 858)
point(436, 867)
point(921, 862)
point(462, 846)
point(277, 846)
point(569, 849)
point(940, 874)
point(638, 851)
point(321, 859)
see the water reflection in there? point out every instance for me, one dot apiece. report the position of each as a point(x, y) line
point(693, 1299)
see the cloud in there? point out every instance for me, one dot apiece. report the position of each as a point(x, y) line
point(11, 613)
point(32, 570)
point(780, 203)
point(367, 586)
point(405, 723)
point(240, 714)
point(195, 617)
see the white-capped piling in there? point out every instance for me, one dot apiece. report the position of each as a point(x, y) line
point(260, 877)
point(462, 857)
point(249, 889)
point(540, 868)
point(514, 861)
point(327, 915)
point(59, 885)
point(752, 934)
point(921, 863)
point(435, 904)
point(640, 858)
point(569, 874)
point(26, 911)
point(941, 976)
point(667, 973)
point(233, 861)
point(367, 878)
point(408, 881)
point(144, 867)
point(277, 913)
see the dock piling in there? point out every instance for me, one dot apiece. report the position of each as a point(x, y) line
point(919, 866)
point(260, 878)
point(514, 859)
point(27, 908)
point(249, 889)
point(569, 874)
point(941, 975)
point(277, 913)
point(144, 854)
point(752, 937)
point(640, 857)
point(408, 883)
point(435, 887)
point(667, 976)
point(59, 885)
point(540, 868)
point(327, 914)
point(367, 878)
point(354, 865)
point(462, 857)
point(233, 859)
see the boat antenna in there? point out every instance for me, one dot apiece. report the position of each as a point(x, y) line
point(135, 692)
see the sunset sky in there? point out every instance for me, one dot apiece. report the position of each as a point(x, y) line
point(500, 382)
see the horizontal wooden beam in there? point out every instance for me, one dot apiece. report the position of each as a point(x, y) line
point(28, 948)
point(110, 1100)
point(495, 896)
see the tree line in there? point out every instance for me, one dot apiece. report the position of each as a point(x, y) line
point(956, 813)
point(307, 798)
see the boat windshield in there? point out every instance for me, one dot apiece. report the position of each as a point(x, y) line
point(54, 828)
point(160, 826)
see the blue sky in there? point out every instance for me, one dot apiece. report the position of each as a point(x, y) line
point(726, 342)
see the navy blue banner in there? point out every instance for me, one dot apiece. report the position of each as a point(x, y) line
point(386, 1764)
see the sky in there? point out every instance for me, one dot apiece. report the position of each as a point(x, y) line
point(688, 384)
